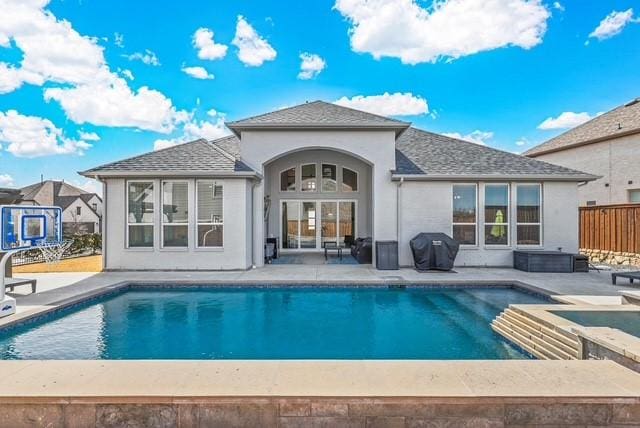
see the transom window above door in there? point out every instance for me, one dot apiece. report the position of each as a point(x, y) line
point(322, 177)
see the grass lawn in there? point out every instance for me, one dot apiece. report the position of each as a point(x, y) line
point(78, 264)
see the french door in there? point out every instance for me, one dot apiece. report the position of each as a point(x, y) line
point(307, 225)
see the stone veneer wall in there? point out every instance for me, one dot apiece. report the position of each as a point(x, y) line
point(318, 412)
point(611, 257)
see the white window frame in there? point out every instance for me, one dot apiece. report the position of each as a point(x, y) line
point(509, 214)
point(126, 211)
point(302, 189)
point(322, 164)
point(342, 168)
point(295, 179)
point(541, 216)
point(475, 185)
point(162, 222)
point(218, 223)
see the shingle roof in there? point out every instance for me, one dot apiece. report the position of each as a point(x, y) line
point(423, 153)
point(196, 157)
point(318, 114)
point(623, 120)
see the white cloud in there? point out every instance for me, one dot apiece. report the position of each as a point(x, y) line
point(52, 51)
point(253, 50)
point(32, 136)
point(613, 24)
point(89, 136)
point(311, 65)
point(565, 120)
point(207, 48)
point(194, 129)
point(448, 29)
point(118, 40)
point(197, 72)
point(127, 73)
point(476, 137)
point(147, 57)
point(89, 185)
point(558, 6)
point(6, 180)
point(397, 104)
point(116, 104)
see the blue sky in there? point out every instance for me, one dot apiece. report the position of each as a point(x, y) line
point(63, 72)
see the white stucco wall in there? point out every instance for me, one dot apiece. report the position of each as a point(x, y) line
point(235, 253)
point(615, 160)
point(376, 148)
point(427, 207)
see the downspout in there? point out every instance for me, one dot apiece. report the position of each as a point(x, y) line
point(398, 214)
point(103, 229)
point(253, 188)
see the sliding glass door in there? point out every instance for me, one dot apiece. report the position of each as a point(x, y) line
point(309, 224)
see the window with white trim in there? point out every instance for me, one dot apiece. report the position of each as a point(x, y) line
point(288, 180)
point(529, 214)
point(308, 173)
point(329, 177)
point(210, 220)
point(175, 214)
point(496, 214)
point(140, 213)
point(464, 220)
point(349, 180)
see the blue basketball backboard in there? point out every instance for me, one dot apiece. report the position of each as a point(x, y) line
point(24, 226)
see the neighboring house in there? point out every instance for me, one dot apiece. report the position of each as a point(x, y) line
point(319, 172)
point(607, 146)
point(9, 196)
point(81, 210)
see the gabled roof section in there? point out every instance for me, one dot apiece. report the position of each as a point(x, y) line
point(621, 121)
point(196, 158)
point(318, 115)
point(423, 155)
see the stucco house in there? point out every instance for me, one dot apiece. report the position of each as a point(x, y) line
point(607, 146)
point(319, 172)
point(81, 210)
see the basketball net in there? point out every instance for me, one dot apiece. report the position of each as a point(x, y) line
point(52, 252)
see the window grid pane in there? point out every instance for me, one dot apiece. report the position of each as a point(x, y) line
point(175, 214)
point(349, 180)
point(329, 181)
point(464, 213)
point(309, 178)
point(496, 214)
point(140, 209)
point(209, 197)
point(288, 180)
point(528, 214)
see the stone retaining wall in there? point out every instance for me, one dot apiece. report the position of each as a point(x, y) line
point(612, 257)
point(319, 412)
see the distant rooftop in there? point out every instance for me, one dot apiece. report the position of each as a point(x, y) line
point(621, 121)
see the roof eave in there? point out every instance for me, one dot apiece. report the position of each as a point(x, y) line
point(97, 174)
point(494, 177)
point(580, 143)
point(237, 128)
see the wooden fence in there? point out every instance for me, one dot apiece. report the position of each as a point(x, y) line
point(611, 228)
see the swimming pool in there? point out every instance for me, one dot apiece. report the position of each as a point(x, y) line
point(273, 323)
point(627, 321)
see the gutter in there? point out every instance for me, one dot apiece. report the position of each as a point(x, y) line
point(497, 177)
point(156, 173)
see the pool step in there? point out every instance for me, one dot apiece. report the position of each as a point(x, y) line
point(534, 337)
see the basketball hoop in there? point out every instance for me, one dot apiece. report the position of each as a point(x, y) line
point(52, 251)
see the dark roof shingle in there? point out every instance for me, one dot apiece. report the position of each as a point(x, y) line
point(620, 121)
point(196, 157)
point(433, 155)
point(318, 114)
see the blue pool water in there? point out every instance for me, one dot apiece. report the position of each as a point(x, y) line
point(629, 322)
point(273, 323)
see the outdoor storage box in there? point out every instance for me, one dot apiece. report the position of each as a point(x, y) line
point(543, 261)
